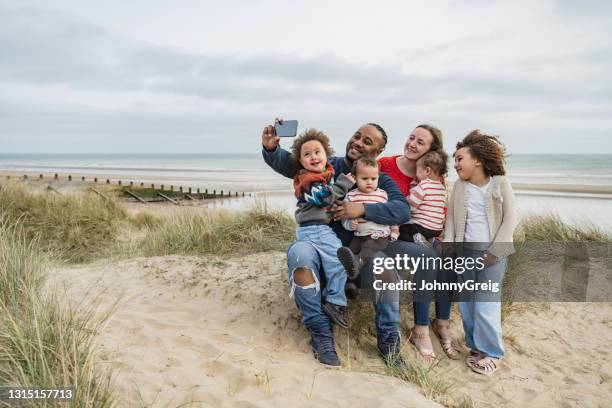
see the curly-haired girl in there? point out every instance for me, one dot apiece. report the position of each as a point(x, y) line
point(481, 215)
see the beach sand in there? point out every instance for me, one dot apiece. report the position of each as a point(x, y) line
point(216, 332)
point(224, 332)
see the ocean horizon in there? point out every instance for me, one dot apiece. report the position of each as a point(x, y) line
point(569, 169)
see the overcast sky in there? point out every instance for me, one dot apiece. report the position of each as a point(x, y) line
point(199, 76)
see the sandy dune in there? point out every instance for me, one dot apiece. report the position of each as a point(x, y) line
point(196, 332)
point(217, 333)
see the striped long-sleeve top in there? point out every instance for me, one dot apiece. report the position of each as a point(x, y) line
point(428, 204)
point(369, 228)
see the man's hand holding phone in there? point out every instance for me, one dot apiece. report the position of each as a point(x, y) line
point(269, 140)
point(271, 135)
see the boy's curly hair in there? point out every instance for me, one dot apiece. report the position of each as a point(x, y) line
point(488, 149)
point(437, 160)
point(307, 136)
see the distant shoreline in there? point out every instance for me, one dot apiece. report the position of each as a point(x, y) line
point(597, 191)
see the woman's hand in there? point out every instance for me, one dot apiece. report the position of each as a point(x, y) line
point(347, 209)
point(269, 140)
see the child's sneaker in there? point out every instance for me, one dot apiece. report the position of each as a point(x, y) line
point(322, 343)
point(335, 314)
point(421, 239)
point(349, 261)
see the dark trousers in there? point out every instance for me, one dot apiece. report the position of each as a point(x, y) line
point(407, 232)
point(365, 247)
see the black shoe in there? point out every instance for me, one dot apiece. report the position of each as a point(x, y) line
point(351, 291)
point(389, 350)
point(349, 261)
point(335, 314)
point(322, 343)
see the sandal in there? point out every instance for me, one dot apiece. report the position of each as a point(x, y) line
point(473, 357)
point(428, 355)
point(447, 344)
point(486, 366)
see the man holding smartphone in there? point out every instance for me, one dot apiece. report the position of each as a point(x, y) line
point(302, 259)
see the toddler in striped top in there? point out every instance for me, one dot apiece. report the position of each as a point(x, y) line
point(427, 200)
point(369, 237)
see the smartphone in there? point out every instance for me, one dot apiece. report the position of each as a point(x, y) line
point(286, 128)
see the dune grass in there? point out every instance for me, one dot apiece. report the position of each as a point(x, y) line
point(74, 228)
point(433, 383)
point(256, 230)
point(82, 228)
point(550, 228)
point(534, 233)
point(44, 343)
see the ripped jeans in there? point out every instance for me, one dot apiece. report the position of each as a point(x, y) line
point(316, 248)
point(307, 253)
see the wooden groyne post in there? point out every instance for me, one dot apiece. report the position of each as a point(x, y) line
point(135, 196)
point(99, 193)
point(162, 195)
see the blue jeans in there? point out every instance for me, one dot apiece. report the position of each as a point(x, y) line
point(315, 249)
point(386, 302)
point(482, 320)
point(305, 254)
point(423, 299)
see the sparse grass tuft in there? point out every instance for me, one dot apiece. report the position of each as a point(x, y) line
point(432, 382)
point(262, 379)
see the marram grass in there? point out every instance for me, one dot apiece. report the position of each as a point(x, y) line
point(74, 228)
point(44, 343)
point(233, 234)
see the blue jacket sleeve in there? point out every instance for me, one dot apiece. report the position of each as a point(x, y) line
point(280, 161)
point(395, 211)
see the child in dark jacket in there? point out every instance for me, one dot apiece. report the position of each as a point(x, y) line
point(316, 191)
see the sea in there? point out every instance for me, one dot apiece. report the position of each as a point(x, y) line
point(249, 173)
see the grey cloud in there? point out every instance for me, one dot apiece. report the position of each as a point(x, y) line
point(47, 48)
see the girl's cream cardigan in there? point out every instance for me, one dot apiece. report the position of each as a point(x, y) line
point(501, 213)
